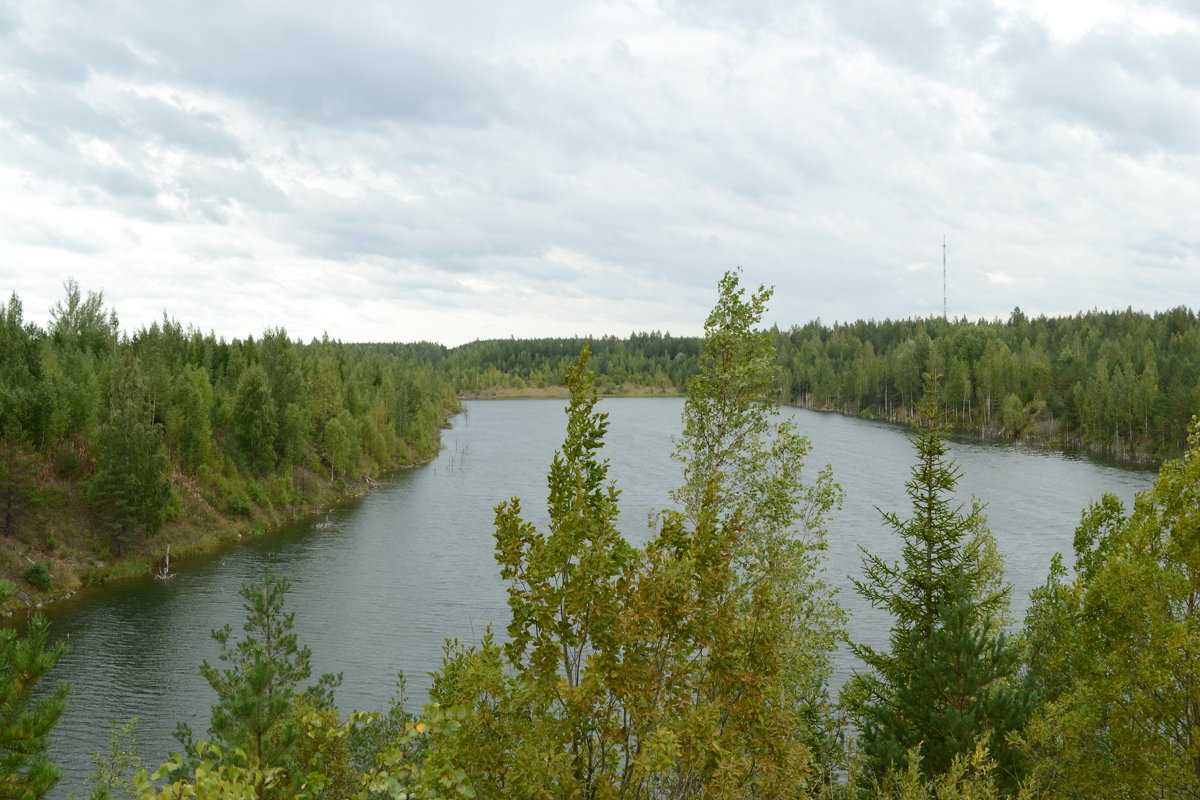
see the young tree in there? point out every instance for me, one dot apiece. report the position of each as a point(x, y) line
point(114, 772)
point(27, 715)
point(949, 678)
point(256, 693)
point(552, 710)
point(254, 419)
point(765, 622)
point(189, 424)
point(131, 489)
point(80, 323)
point(694, 668)
point(1115, 651)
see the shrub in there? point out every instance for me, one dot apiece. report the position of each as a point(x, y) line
point(67, 464)
point(257, 495)
point(38, 576)
point(233, 498)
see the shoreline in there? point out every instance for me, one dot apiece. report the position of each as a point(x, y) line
point(1073, 446)
point(559, 392)
point(199, 531)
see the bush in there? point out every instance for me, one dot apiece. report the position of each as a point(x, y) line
point(67, 464)
point(283, 492)
point(39, 576)
point(257, 495)
point(174, 508)
point(233, 498)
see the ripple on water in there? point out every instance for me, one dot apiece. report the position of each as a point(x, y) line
point(378, 588)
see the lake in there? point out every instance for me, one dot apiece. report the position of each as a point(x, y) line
point(378, 586)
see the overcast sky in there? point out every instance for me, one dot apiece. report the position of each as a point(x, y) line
point(447, 171)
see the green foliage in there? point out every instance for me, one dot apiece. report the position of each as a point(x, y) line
point(217, 774)
point(148, 423)
point(564, 594)
point(257, 495)
point(24, 402)
point(233, 498)
point(949, 678)
point(67, 464)
point(294, 434)
point(131, 489)
point(654, 362)
point(114, 772)
point(189, 425)
point(254, 419)
point(971, 775)
point(260, 690)
point(16, 482)
point(365, 757)
point(81, 323)
point(38, 576)
point(696, 666)
point(1122, 382)
point(764, 616)
point(1115, 650)
point(342, 449)
point(27, 713)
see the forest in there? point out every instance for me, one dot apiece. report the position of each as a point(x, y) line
point(1123, 383)
point(114, 445)
point(695, 666)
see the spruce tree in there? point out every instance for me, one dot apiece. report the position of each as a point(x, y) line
point(949, 678)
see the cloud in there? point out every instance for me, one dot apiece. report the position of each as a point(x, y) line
point(1122, 84)
point(544, 167)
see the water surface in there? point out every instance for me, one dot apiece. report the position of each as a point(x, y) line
point(378, 586)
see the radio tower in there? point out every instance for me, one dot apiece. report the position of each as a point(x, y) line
point(944, 315)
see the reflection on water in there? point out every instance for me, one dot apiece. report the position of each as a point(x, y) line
point(380, 585)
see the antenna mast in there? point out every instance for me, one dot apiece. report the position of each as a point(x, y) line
point(944, 314)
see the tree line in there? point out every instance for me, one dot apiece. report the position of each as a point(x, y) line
point(647, 362)
point(105, 437)
point(1125, 383)
point(1122, 383)
point(698, 665)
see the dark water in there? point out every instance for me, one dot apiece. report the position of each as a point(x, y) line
point(380, 585)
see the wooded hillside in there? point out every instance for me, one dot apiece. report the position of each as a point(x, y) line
point(114, 444)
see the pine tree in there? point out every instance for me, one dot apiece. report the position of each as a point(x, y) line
point(949, 678)
point(264, 679)
point(27, 715)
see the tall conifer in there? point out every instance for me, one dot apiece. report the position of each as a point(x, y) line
point(949, 676)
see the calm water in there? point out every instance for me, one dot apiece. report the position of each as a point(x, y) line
point(378, 589)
